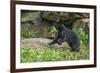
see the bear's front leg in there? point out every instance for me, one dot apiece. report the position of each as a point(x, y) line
point(53, 42)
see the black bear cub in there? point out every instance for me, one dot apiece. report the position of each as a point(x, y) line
point(65, 34)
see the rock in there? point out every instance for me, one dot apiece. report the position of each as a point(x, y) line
point(39, 43)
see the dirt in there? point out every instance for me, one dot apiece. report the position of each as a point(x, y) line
point(39, 43)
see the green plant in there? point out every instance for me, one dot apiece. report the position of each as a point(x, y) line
point(52, 54)
point(26, 34)
point(84, 37)
point(52, 31)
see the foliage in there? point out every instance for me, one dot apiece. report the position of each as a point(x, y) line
point(52, 54)
point(84, 37)
point(52, 31)
point(26, 34)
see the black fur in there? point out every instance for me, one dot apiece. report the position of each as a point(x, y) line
point(65, 34)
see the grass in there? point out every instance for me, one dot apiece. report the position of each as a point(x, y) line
point(29, 55)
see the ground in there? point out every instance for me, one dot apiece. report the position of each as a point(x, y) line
point(39, 43)
point(38, 50)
